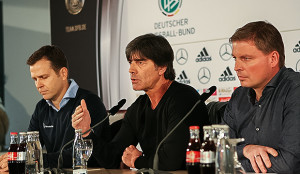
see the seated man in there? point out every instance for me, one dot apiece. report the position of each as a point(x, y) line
point(265, 110)
point(151, 117)
point(52, 115)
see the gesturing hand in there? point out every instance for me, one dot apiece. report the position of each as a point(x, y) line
point(130, 154)
point(259, 157)
point(81, 118)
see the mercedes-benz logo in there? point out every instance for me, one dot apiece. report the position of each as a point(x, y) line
point(298, 66)
point(225, 51)
point(74, 6)
point(181, 56)
point(204, 75)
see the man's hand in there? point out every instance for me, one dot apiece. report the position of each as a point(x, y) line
point(3, 163)
point(130, 154)
point(81, 118)
point(259, 157)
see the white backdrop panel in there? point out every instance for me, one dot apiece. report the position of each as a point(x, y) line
point(201, 27)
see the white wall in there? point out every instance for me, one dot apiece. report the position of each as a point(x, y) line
point(26, 27)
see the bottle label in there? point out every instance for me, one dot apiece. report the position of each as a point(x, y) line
point(207, 157)
point(80, 171)
point(21, 156)
point(193, 156)
point(12, 156)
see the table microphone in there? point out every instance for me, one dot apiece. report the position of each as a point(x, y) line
point(202, 98)
point(111, 112)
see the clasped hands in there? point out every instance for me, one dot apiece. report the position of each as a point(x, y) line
point(130, 154)
point(259, 157)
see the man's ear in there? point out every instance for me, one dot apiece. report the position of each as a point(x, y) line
point(162, 70)
point(274, 58)
point(64, 73)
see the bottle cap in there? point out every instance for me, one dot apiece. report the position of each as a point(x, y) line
point(23, 133)
point(78, 130)
point(13, 133)
point(207, 127)
point(36, 132)
point(194, 127)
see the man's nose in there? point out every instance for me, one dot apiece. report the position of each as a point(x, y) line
point(132, 68)
point(38, 84)
point(237, 65)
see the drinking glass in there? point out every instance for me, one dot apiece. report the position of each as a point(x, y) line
point(87, 149)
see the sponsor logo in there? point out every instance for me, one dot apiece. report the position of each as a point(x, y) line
point(74, 6)
point(225, 51)
point(203, 56)
point(183, 78)
point(227, 75)
point(297, 48)
point(298, 66)
point(204, 75)
point(225, 90)
point(169, 7)
point(181, 56)
point(224, 99)
point(46, 126)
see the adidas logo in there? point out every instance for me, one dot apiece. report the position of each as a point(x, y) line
point(227, 75)
point(183, 78)
point(297, 48)
point(203, 56)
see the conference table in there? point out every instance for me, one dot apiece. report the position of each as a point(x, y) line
point(124, 171)
point(116, 171)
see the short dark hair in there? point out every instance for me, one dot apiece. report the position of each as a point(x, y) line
point(52, 53)
point(153, 47)
point(265, 37)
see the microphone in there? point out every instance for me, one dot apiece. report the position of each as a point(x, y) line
point(202, 98)
point(205, 95)
point(116, 108)
point(111, 112)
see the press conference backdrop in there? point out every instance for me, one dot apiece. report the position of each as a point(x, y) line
point(197, 30)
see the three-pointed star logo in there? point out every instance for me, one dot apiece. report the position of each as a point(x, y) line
point(181, 56)
point(225, 51)
point(204, 75)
